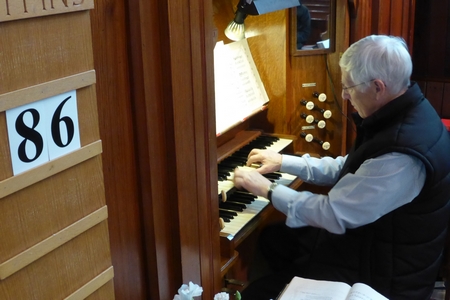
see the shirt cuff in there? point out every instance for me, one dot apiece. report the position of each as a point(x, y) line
point(283, 200)
point(280, 198)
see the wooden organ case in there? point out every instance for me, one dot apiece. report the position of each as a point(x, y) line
point(290, 81)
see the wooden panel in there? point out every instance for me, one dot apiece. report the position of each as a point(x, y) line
point(322, 71)
point(23, 180)
point(104, 292)
point(54, 241)
point(361, 19)
point(45, 57)
point(44, 207)
point(432, 31)
point(54, 231)
point(116, 118)
point(93, 285)
point(438, 37)
point(391, 17)
point(305, 70)
point(15, 10)
point(269, 61)
point(435, 93)
point(195, 179)
point(173, 92)
point(45, 90)
point(68, 267)
point(382, 16)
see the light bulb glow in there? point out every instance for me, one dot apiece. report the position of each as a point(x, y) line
point(235, 31)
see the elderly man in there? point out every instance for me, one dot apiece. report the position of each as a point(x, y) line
point(384, 220)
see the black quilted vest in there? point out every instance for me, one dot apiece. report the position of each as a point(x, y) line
point(400, 253)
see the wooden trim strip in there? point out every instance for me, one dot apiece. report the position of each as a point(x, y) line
point(45, 90)
point(44, 247)
point(22, 180)
point(93, 285)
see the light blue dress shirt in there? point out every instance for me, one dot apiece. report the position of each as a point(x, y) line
point(379, 186)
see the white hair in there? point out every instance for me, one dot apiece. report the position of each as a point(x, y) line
point(379, 57)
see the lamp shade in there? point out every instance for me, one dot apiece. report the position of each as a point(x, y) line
point(235, 30)
point(267, 6)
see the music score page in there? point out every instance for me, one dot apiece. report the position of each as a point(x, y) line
point(239, 91)
point(309, 289)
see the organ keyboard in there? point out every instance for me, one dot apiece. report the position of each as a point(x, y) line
point(241, 221)
point(238, 208)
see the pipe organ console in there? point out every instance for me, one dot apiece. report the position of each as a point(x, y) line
point(237, 208)
point(242, 213)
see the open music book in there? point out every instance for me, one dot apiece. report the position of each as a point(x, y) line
point(305, 289)
point(239, 91)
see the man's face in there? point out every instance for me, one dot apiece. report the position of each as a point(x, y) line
point(364, 102)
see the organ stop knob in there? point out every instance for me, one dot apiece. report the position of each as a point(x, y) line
point(322, 96)
point(310, 106)
point(310, 138)
point(309, 118)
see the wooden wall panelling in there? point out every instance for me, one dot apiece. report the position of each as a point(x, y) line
point(431, 69)
point(431, 32)
point(437, 37)
point(324, 71)
point(361, 18)
point(435, 94)
point(343, 37)
point(64, 202)
point(392, 17)
point(267, 41)
point(266, 36)
point(422, 36)
point(173, 92)
point(309, 69)
point(117, 118)
point(156, 165)
point(192, 50)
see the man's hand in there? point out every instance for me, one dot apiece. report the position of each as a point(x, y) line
point(251, 180)
point(269, 160)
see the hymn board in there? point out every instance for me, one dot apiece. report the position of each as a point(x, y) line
point(53, 230)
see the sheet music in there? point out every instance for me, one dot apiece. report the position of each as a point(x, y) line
point(239, 90)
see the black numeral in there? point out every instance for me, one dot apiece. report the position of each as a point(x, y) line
point(30, 135)
point(56, 119)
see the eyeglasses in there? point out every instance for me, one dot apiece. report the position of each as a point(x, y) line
point(345, 88)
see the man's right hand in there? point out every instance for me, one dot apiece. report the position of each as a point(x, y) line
point(269, 161)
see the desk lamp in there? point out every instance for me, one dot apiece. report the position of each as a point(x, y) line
point(235, 30)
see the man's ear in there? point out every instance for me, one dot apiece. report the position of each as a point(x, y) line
point(379, 85)
point(380, 89)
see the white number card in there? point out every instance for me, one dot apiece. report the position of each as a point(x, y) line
point(42, 131)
